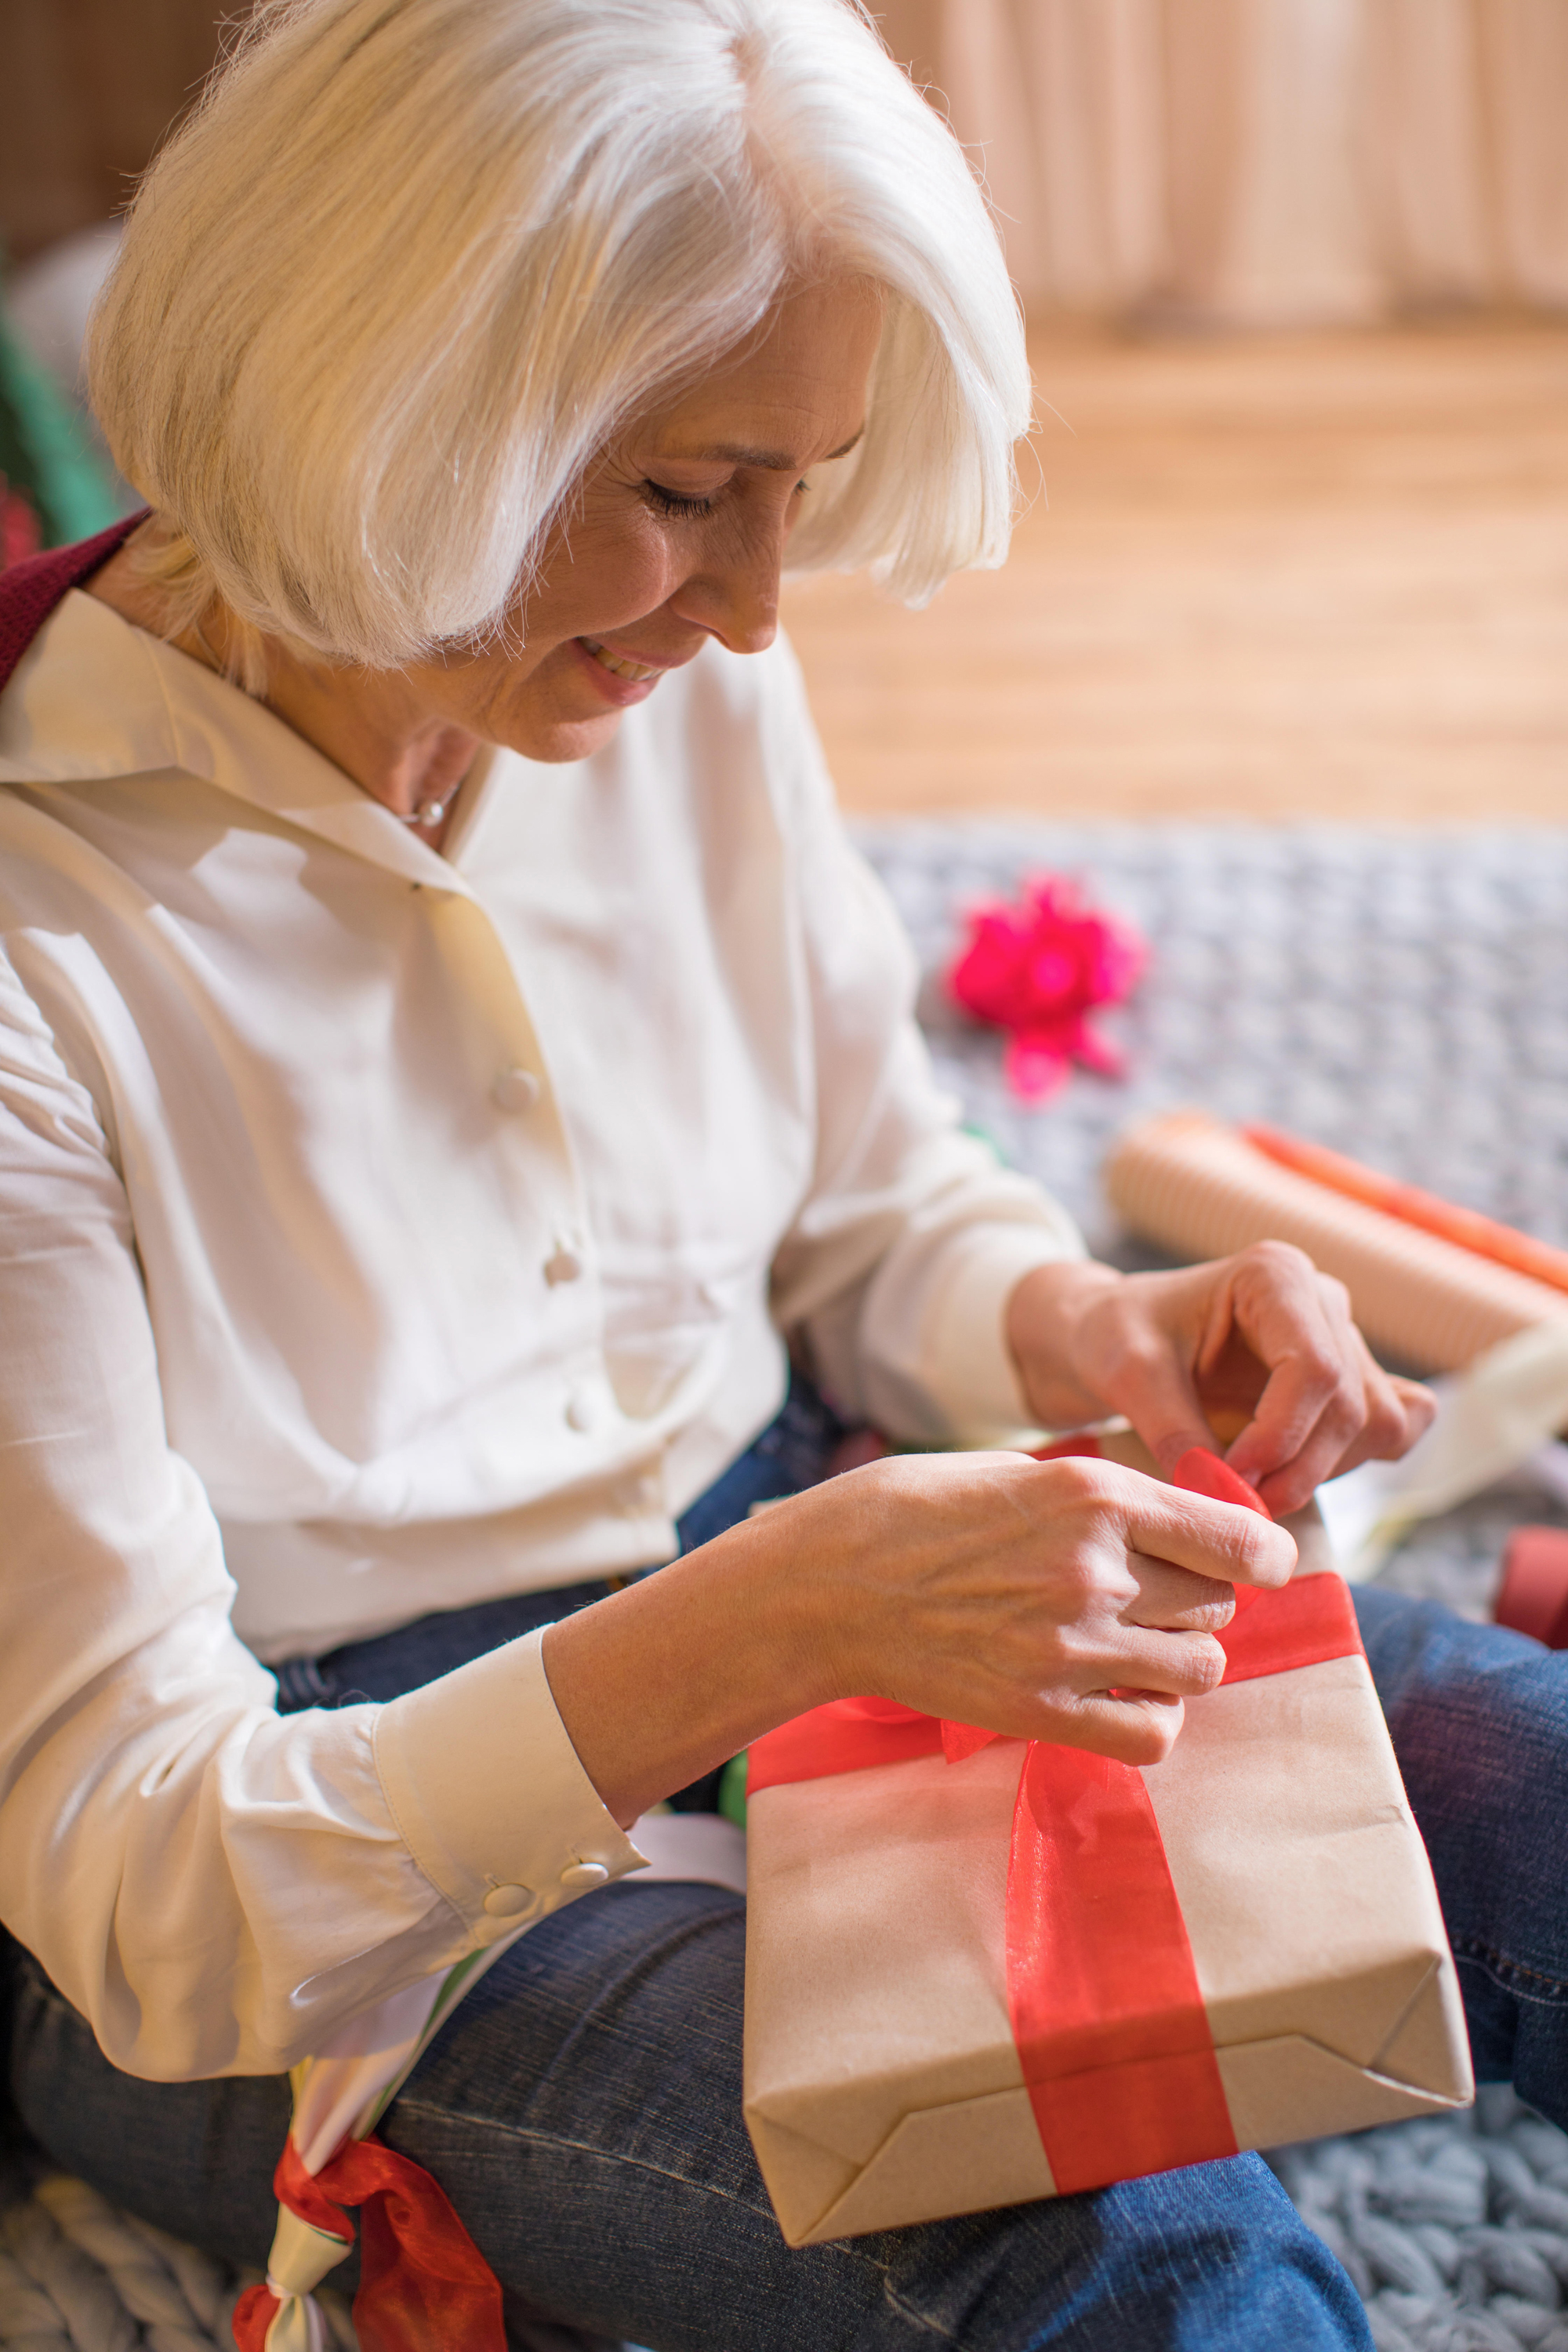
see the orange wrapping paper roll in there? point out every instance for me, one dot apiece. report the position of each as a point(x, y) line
point(1198, 1189)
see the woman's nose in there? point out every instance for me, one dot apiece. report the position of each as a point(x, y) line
point(735, 596)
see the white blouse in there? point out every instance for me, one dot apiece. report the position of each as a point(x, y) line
point(382, 1232)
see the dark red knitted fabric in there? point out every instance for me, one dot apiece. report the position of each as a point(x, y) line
point(30, 589)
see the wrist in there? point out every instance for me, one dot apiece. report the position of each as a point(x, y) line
point(1043, 1322)
point(672, 1677)
point(785, 1600)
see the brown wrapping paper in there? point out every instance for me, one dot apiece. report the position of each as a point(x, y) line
point(1200, 1190)
point(882, 2084)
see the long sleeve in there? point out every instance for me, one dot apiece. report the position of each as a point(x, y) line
point(899, 1265)
point(217, 1888)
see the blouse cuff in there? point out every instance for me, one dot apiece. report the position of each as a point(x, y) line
point(971, 1378)
point(489, 1795)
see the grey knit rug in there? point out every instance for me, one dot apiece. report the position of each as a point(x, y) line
point(1403, 997)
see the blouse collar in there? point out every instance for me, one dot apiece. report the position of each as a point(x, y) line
point(97, 696)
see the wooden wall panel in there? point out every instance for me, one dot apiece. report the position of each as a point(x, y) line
point(88, 88)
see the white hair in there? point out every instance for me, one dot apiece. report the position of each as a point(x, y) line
point(412, 264)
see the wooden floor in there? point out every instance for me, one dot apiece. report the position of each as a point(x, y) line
point(1281, 577)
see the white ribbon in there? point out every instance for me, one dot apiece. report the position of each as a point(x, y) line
point(300, 2258)
point(1498, 1413)
point(342, 2092)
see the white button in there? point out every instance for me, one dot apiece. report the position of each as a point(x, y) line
point(510, 1902)
point(564, 1266)
point(516, 1090)
point(584, 1874)
point(582, 1409)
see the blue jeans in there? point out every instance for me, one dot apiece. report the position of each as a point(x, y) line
point(583, 2108)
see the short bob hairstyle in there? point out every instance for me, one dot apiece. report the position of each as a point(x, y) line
point(412, 264)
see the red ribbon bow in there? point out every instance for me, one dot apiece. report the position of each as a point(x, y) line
point(423, 2281)
point(1103, 1991)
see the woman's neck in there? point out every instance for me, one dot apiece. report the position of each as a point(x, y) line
point(376, 725)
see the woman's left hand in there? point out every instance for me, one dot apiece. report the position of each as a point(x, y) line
point(1262, 1339)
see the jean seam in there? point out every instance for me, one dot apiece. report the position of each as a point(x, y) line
point(1471, 1948)
point(405, 2106)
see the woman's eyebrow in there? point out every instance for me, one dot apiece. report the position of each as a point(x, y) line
point(773, 461)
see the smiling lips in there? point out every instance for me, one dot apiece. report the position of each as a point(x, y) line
point(635, 673)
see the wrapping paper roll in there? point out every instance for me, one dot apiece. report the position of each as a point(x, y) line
point(1198, 1189)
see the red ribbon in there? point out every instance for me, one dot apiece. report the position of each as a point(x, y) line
point(423, 2281)
point(1102, 1990)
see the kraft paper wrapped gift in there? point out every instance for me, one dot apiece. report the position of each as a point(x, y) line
point(1026, 1971)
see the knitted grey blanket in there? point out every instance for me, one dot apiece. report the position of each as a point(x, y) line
point(1403, 997)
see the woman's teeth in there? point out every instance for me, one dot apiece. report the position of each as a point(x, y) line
point(635, 671)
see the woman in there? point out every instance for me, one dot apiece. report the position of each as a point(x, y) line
point(451, 1062)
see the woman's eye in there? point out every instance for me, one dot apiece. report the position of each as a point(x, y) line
point(670, 502)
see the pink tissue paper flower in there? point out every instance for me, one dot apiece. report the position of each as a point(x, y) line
point(1037, 969)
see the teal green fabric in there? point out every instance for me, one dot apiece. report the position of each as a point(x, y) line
point(45, 454)
point(732, 1790)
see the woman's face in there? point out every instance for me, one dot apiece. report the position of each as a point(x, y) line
point(678, 536)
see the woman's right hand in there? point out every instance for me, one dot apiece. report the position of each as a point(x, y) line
point(1070, 1601)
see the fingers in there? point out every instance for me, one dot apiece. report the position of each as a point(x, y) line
point(1326, 1409)
point(1213, 1540)
point(1070, 1599)
point(1169, 1666)
point(1131, 1726)
point(1173, 1601)
point(1262, 1337)
point(1398, 1412)
point(1313, 1402)
point(1131, 1703)
point(1264, 1331)
point(1153, 1388)
point(1419, 1406)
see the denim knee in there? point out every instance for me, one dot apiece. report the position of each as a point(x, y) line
point(1211, 2259)
point(1479, 1721)
point(196, 2158)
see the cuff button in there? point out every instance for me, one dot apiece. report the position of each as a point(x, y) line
point(510, 1902)
point(581, 1876)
